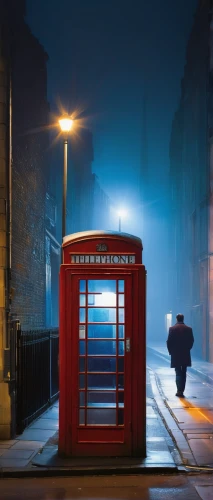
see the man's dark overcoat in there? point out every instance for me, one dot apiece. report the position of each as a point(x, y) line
point(179, 343)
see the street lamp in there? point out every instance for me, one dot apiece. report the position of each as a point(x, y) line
point(121, 213)
point(65, 124)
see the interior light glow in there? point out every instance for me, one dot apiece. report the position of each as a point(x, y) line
point(105, 299)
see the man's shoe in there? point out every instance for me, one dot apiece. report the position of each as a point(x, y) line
point(179, 394)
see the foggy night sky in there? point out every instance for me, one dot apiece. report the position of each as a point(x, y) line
point(105, 55)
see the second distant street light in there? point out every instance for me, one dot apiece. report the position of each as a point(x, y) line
point(121, 213)
point(65, 124)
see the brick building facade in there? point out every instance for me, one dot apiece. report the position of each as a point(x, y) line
point(24, 175)
point(29, 176)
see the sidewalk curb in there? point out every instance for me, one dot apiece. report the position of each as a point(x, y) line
point(68, 472)
point(184, 451)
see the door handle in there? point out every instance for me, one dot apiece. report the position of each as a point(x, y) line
point(128, 345)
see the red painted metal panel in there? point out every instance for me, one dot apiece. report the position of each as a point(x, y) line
point(78, 435)
point(102, 436)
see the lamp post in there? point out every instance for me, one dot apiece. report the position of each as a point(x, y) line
point(65, 124)
point(119, 223)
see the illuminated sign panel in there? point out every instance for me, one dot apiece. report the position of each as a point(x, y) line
point(103, 259)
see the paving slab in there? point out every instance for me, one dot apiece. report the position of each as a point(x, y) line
point(205, 492)
point(45, 424)
point(28, 445)
point(193, 415)
point(13, 462)
point(199, 428)
point(202, 449)
point(17, 454)
point(36, 435)
point(4, 446)
point(200, 436)
point(53, 415)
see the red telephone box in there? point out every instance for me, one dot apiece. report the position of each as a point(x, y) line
point(102, 404)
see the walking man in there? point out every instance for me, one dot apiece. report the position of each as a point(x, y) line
point(179, 343)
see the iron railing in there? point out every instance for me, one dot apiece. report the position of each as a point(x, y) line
point(37, 384)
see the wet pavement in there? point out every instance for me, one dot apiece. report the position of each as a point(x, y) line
point(179, 432)
point(148, 487)
point(190, 419)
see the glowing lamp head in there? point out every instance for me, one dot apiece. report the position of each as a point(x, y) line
point(122, 213)
point(66, 124)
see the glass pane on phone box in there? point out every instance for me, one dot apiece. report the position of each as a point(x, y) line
point(82, 315)
point(121, 348)
point(82, 364)
point(121, 364)
point(121, 331)
point(101, 364)
point(121, 399)
point(121, 300)
point(100, 286)
point(82, 299)
point(101, 381)
point(82, 417)
point(82, 285)
point(102, 331)
point(101, 416)
point(81, 398)
point(98, 347)
point(91, 299)
point(102, 299)
point(120, 417)
point(101, 399)
point(120, 381)
point(82, 347)
point(121, 315)
point(82, 381)
point(121, 286)
point(82, 331)
point(100, 315)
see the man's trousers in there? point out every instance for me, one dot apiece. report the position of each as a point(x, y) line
point(181, 377)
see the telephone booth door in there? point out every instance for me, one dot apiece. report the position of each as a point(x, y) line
point(101, 361)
